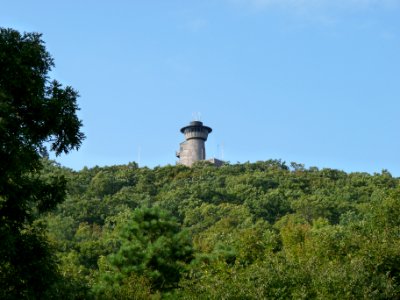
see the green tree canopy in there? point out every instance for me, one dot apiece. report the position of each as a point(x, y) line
point(34, 112)
point(153, 245)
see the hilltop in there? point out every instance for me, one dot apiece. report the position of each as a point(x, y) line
point(252, 230)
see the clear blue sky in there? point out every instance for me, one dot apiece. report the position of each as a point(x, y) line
point(311, 81)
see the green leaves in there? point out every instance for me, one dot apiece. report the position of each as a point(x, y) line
point(33, 112)
point(258, 230)
point(152, 245)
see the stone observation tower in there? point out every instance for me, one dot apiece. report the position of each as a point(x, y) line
point(193, 149)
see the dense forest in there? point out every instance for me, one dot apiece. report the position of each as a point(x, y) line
point(263, 230)
point(242, 231)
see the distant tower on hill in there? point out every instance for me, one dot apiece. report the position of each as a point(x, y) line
point(193, 149)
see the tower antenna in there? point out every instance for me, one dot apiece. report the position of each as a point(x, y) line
point(138, 155)
point(196, 116)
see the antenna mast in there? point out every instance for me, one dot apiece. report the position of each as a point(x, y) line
point(138, 155)
point(196, 116)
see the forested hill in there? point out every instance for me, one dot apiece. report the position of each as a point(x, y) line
point(241, 231)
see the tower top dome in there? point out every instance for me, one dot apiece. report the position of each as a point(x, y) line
point(196, 124)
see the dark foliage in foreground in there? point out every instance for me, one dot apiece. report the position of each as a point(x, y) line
point(34, 112)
